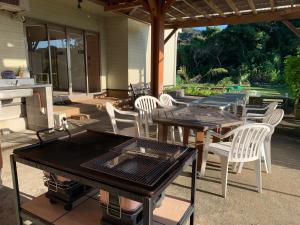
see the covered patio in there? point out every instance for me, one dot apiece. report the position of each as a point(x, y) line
point(277, 204)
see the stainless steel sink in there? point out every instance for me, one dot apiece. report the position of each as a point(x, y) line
point(17, 93)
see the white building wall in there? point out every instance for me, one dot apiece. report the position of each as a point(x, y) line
point(13, 53)
point(170, 59)
point(117, 52)
point(138, 36)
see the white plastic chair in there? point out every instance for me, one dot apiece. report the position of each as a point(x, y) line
point(273, 120)
point(111, 112)
point(168, 101)
point(145, 105)
point(245, 146)
point(259, 116)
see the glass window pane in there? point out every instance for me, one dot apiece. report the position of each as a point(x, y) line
point(77, 55)
point(58, 46)
point(38, 53)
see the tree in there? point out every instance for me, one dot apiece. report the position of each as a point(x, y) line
point(292, 75)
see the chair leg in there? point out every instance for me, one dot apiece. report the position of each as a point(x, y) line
point(235, 167)
point(241, 164)
point(203, 164)
point(224, 174)
point(147, 130)
point(180, 134)
point(267, 146)
point(264, 156)
point(172, 134)
point(258, 175)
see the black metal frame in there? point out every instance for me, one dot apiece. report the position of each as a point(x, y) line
point(146, 200)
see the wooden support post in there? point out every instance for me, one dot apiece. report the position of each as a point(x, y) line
point(170, 35)
point(157, 53)
point(291, 27)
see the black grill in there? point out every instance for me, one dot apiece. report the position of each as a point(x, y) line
point(138, 160)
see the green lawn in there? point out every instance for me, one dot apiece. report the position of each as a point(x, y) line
point(269, 91)
point(210, 89)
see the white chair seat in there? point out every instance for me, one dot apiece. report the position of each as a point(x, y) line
point(245, 146)
point(222, 148)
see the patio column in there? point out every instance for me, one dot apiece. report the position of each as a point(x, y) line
point(156, 9)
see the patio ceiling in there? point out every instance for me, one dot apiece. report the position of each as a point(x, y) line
point(192, 13)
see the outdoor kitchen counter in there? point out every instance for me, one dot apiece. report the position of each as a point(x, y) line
point(64, 157)
point(14, 87)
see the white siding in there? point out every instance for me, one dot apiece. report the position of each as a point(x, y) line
point(170, 59)
point(117, 52)
point(13, 53)
point(138, 36)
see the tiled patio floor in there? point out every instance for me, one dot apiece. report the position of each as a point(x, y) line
point(278, 204)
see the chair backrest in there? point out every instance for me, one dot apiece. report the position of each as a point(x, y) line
point(111, 112)
point(274, 118)
point(166, 100)
point(146, 104)
point(247, 141)
point(271, 107)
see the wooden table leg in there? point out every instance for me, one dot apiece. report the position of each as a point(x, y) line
point(186, 134)
point(199, 142)
point(162, 133)
point(1, 160)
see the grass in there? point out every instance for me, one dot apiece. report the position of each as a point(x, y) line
point(211, 89)
point(269, 91)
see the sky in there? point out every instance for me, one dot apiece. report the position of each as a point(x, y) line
point(204, 28)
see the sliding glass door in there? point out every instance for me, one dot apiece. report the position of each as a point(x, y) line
point(59, 59)
point(68, 58)
point(38, 53)
point(93, 61)
point(77, 56)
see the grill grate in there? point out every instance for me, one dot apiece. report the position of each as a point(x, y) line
point(138, 160)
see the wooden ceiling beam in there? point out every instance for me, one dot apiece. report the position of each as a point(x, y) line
point(122, 6)
point(212, 5)
point(196, 8)
point(291, 26)
point(173, 7)
point(233, 7)
point(168, 5)
point(252, 6)
point(170, 35)
point(132, 11)
point(288, 14)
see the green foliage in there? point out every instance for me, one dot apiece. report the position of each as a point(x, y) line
point(225, 82)
point(292, 74)
point(252, 53)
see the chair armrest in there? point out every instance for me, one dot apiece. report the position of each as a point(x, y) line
point(211, 134)
point(125, 120)
point(181, 103)
point(128, 113)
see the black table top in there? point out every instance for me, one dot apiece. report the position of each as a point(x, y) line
point(67, 154)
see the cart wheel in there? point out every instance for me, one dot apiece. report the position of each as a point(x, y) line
point(68, 206)
point(52, 201)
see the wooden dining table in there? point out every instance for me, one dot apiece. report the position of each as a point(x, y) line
point(197, 118)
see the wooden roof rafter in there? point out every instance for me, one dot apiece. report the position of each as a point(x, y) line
point(233, 7)
point(267, 16)
point(185, 13)
point(196, 9)
point(272, 4)
point(252, 6)
point(214, 7)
